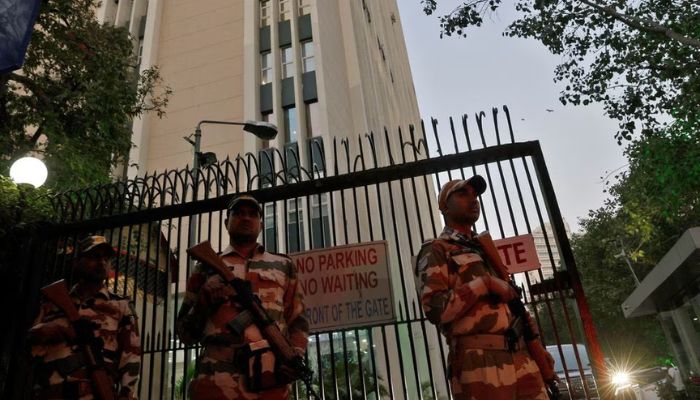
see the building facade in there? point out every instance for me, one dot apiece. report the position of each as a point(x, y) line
point(321, 71)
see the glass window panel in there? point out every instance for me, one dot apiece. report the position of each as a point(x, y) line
point(304, 7)
point(265, 12)
point(290, 125)
point(307, 55)
point(320, 223)
point(315, 154)
point(270, 228)
point(285, 10)
point(295, 225)
point(287, 62)
point(265, 67)
point(267, 168)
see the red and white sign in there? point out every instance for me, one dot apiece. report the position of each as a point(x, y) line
point(518, 253)
point(346, 286)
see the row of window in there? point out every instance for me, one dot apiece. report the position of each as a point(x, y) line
point(320, 233)
point(285, 9)
point(308, 63)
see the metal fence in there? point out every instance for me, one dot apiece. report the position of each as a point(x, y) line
point(378, 186)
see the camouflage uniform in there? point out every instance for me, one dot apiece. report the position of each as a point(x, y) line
point(481, 366)
point(223, 330)
point(61, 372)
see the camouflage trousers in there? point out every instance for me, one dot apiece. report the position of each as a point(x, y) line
point(217, 380)
point(495, 375)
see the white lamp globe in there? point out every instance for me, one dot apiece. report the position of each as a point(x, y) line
point(29, 170)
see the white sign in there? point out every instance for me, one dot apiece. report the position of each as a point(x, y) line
point(346, 286)
point(518, 253)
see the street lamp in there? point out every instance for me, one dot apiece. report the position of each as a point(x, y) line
point(29, 170)
point(261, 129)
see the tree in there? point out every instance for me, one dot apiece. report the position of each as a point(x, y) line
point(639, 59)
point(651, 205)
point(76, 96)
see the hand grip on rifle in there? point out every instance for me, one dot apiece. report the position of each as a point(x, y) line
point(57, 293)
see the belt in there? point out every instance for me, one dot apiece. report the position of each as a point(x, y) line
point(225, 354)
point(65, 390)
point(485, 342)
point(67, 365)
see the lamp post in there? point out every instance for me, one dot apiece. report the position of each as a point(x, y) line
point(261, 129)
point(29, 170)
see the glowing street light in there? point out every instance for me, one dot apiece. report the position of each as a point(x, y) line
point(29, 170)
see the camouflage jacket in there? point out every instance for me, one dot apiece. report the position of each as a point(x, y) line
point(116, 325)
point(451, 296)
point(273, 279)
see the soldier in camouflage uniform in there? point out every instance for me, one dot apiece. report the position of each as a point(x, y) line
point(462, 294)
point(107, 321)
point(212, 316)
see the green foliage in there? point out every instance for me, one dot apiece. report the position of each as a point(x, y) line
point(651, 205)
point(181, 382)
point(22, 208)
point(639, 59)
point(76, 95)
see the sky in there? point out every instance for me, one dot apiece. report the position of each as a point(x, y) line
point(457, 75)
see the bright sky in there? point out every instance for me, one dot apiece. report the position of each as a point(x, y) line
point(453, 76)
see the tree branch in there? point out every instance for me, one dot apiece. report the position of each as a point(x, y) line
point(644, 25)
point(31, 85)
point(37, 135)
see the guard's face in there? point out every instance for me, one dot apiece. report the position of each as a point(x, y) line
point(463, 206)
point(244, 223)
point(94, 266)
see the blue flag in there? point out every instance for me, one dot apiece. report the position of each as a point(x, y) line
point(16, 24)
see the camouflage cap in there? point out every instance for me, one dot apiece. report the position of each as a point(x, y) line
point(476, 181)
point(91, 243)
point(244, 199)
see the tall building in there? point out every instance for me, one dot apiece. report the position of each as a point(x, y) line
point(548, 264)
point(317, 69)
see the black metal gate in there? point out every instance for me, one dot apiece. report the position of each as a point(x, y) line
point(380, 186)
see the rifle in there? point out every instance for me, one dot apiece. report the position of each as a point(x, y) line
point(204, 253)
point(57, 293)
point(534, 345)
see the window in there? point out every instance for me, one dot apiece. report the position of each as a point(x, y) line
point(320, 223)
point(307, 57)
point(304, 7)
point(285, 10)
point(315, 152)
point(266, 175)
point(313, 120)
point(287, 62)
point(270, 233)
point(139, 57)
point(291, 157)
point(295, 225)
point(290, 125)
point(265, 67)
point(265, 13)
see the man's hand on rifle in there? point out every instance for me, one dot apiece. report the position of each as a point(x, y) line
point(500, 288)
point(51, 332)
point(216, 291)
point(84, 331)
point(244, 292)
